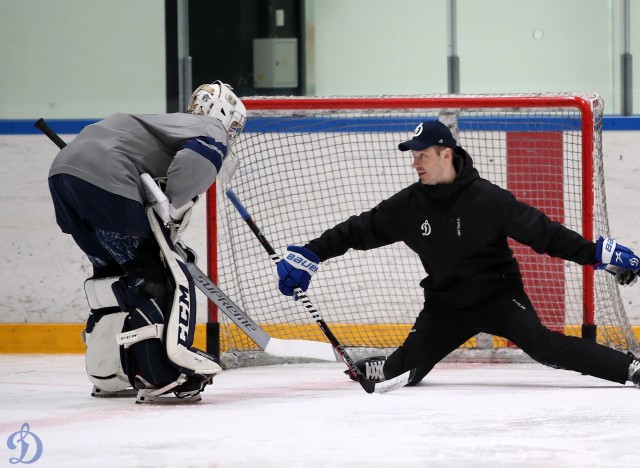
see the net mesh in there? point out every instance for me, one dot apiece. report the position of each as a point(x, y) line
point(306, 169)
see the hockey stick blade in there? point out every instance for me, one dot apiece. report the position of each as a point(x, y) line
point(274, 346)
point(369, 386)
point(389, 385)
point(301, 349)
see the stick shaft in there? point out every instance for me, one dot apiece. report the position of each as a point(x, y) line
point(277, 347)
point(53, 136)
point(300, 294)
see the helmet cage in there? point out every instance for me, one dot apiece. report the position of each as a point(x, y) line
point(218, 100)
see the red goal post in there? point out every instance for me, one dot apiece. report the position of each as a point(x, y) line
point(309, 163)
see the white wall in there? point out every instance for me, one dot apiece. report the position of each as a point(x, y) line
point(42, 271)
point(81, 58)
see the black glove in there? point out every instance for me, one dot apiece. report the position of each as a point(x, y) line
point(626, 277)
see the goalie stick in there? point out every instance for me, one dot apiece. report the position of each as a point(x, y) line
point(53, 136)
point(271, 345)
point(274, 346)
point(368, 385)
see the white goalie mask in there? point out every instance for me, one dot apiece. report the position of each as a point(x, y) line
point(218, 100)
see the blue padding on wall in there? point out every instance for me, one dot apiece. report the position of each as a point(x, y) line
point(364, 124)
point(621, 123)
point(406, 124)
point(25, 127)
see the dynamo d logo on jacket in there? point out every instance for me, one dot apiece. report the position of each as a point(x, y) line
point(426, 228)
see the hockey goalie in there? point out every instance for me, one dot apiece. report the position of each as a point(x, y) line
point(140, 330)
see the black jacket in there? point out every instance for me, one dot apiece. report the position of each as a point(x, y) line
point(460, 232)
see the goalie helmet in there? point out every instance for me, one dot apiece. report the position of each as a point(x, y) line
point(218, 100)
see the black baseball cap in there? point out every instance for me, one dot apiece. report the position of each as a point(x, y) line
point(429, 133)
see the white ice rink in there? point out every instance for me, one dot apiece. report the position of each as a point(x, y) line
point(311, 415)
point(304, 415)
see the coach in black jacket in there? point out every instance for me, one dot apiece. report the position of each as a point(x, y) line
point(458, 223)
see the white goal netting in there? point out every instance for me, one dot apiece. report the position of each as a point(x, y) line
point(310, 163)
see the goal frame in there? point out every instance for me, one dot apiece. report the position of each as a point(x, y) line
point(575, 101)
point(584, 114)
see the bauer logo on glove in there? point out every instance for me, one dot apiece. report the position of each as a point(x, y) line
point(295, 269)
point(300, 262)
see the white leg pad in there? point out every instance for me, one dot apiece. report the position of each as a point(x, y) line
point(103, 354)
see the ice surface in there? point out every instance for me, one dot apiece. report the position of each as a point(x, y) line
point(311, 415)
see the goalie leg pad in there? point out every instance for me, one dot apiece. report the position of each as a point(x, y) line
point(157, 339)
point(146, 362)
point(181, 323)
point(102, 360)
point(145, 355)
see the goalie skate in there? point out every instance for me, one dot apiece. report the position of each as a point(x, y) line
point(185, 393)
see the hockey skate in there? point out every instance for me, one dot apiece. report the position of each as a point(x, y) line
point(371, 368)
point(175, 393)
point(634, 371)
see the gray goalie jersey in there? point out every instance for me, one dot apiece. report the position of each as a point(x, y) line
point(111, 154)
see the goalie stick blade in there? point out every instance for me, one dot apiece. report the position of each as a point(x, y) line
point(301, 348)
point(387, 385)
point(276, 347)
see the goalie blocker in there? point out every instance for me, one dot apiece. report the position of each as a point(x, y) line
point(153, 346)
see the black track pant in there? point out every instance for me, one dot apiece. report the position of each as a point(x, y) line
point(437, 333)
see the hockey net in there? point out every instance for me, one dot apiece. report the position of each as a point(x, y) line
point(310, 163)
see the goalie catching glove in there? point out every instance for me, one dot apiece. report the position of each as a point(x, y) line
point(295, 269)
point(617, 260)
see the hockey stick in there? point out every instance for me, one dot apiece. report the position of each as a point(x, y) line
point(368, 385)
point(275, 346)
point(271, 345)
